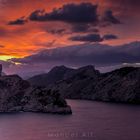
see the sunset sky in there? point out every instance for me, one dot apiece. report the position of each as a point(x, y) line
point(38, 34)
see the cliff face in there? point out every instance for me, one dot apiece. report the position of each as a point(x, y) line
point(12, 90)
point(122, 85)
point(17, 95)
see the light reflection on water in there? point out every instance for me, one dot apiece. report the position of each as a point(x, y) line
point(90, 120)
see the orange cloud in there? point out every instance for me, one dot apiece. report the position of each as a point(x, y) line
point(32, 37)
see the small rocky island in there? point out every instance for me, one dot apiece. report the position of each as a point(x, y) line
point(18, 95)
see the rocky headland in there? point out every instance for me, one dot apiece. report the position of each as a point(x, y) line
point(18, 95)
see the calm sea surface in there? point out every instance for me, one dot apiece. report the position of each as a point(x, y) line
point(90, 120)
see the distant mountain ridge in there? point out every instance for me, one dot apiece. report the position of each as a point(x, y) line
point(57, 73)
point(121, 85)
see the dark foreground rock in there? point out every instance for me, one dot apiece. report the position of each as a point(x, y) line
point(17, 95)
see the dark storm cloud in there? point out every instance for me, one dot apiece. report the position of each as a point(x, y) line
point(20, 21)
point(56, 31)
point(93, 37)
point(77, 28)
point(87, 38)
point(82, 14)
point(71, 13)
point(80, 28)
point(110, 37)
point(109, 18)
point(96, 54)
point(83, 28)
point(82, 17)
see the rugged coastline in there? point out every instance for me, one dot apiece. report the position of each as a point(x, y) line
point(121, 85)
point(18, 95)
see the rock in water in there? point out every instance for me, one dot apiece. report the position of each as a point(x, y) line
point(17, 95)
